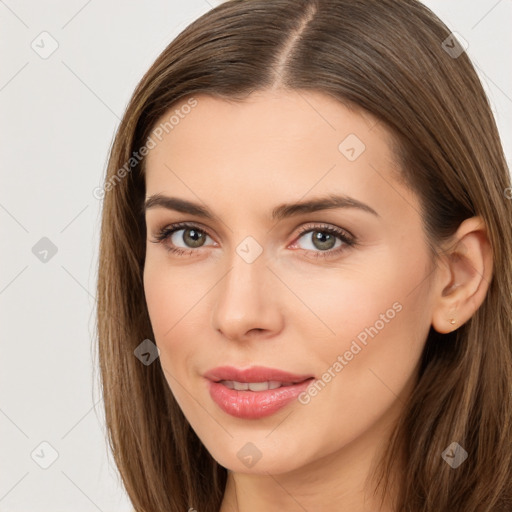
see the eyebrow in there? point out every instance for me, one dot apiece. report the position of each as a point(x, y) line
point(280, 212)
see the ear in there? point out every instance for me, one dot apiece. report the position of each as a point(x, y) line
point(464, 274)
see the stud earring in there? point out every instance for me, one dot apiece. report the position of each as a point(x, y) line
point(452, 320)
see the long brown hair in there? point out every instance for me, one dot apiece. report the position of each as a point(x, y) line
point(398, 61)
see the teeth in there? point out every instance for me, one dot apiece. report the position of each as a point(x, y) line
point(240, 386)
point(254, 386)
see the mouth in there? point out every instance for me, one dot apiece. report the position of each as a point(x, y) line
point(255, 392)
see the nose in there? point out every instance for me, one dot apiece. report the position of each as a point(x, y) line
point(247, 302)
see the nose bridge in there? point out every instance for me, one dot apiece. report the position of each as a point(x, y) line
point(245, 300)
point(247, 262)
point(244, 286)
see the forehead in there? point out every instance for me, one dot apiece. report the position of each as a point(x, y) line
point(279, 119)
point(271, 146)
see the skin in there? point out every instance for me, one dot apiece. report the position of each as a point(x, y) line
point(287, 309)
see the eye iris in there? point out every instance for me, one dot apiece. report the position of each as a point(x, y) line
point(323, 238)
point(197, 238)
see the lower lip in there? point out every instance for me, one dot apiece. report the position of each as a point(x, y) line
point(254, 404)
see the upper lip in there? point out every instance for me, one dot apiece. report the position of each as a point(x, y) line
point(253, 374)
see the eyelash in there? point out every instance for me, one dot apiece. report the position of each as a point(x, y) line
point(348, 239)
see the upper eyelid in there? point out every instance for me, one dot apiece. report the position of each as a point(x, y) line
point(308, 227)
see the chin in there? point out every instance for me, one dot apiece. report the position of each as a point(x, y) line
point(258, 458)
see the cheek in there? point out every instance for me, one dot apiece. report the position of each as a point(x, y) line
point(365, 367)
point(381, 327)
point(170, 298)
point(170, 301)
point(173, 293)
point(336, 305)
point(376, 319)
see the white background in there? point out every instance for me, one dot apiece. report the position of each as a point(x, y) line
point(58, 118)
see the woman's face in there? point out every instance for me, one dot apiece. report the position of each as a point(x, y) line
point(339, 295)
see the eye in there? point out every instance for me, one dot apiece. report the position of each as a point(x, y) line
point(191, 235)
point(323, 240)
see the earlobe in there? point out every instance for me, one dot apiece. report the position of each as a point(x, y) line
point(465, 273)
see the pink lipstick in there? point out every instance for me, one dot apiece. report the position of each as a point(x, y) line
point(255, 392)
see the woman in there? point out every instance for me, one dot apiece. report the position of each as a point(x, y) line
point(304, 276)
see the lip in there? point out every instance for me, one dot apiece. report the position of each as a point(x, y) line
point(254, 404)
point(253, 374)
